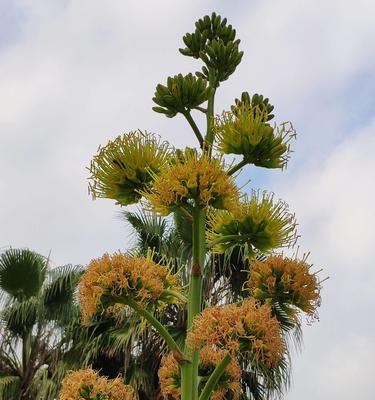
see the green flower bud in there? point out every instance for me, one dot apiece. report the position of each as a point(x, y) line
point(181, 94)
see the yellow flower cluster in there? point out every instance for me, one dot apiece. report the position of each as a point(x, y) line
point(127, 165)
point(228, 385)
point(286, 281)
point(246, 132)
point(245, 328)
point(192, 178)
point(257, 222)
point(89, 382)
point(118, 275)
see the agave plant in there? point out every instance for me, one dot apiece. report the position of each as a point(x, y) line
point(236, 327)
point(37, 303)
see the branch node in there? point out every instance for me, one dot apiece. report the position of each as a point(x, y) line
point(196, 270)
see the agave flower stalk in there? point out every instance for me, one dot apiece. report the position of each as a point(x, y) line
point(198, 183)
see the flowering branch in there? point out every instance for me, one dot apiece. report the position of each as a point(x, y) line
point(195, 128)
point(237, 167)
point(160, 328)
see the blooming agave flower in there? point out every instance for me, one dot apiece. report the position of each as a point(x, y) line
point(126, 166)
point(228, 385)
point(286, 282)
point(248, 327)
point(257, 222)
point(87, 384)
point(117, 275)
point(192, 179)
point(245, 131)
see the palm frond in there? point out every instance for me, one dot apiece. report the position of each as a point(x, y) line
point(150, 229)
point(19, 317)
point(22, 272)
point(58, 293)
point(9, 387)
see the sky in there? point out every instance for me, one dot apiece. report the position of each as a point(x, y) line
point(75, 74)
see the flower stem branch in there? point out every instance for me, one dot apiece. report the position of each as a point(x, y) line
point(223, 239)
point(159, 327)
point(237, 167)
point(214, 378)
point(195, 128)
point(209, 117)
point(177, 295)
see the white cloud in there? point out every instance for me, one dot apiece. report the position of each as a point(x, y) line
point(333, 199)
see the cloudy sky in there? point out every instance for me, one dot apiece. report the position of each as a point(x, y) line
point(74, 74)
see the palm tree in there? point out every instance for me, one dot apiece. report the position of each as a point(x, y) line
point(37, 307)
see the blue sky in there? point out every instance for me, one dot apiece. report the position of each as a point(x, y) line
point(74, 74)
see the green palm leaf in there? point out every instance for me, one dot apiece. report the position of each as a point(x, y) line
point(22, 272)
point(9, 387)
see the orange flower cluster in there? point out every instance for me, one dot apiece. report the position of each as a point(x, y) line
point(118, 275)
point(229, 383)
point(245, 328)
point(192, 178)
point(286, 281)
point(88, 380)
point(170, 378)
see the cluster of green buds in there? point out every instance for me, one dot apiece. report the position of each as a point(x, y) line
point(245, 131)
point(214, 43)
point(180, 95)
point(257, 101)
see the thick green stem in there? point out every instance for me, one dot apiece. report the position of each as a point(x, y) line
point(189, 374)
point(26, 350)
point(237, 167)
point(194, 127)
point(214, 378)
point(186, 381)
point(199, 251)
point(209, 116)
